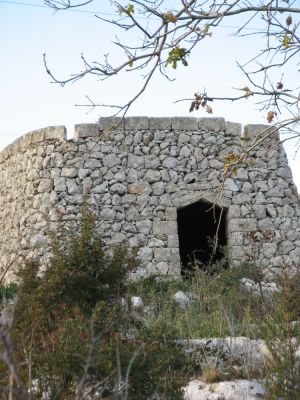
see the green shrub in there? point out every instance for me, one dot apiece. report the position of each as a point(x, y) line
point(71, 324)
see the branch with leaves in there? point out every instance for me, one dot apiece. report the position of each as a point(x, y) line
point(166, 37)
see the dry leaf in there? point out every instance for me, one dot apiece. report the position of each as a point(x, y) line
point(289, 20)
point(279, 85)
point(270, 116)
point(208, 109)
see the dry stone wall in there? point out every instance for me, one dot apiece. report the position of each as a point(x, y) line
point(136, 174)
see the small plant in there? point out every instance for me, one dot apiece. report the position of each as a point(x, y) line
point(283, 341)
point(8, 292)
point(211, 373)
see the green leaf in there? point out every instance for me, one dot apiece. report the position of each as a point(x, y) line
point(175, 55)
point(129, 9)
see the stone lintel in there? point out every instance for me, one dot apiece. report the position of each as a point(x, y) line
point(193, 197)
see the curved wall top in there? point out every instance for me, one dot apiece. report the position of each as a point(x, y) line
point(136, 173)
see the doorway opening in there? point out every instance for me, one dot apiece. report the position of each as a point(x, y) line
point(202, 229)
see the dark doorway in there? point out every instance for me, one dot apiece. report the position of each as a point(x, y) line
point(198, 226)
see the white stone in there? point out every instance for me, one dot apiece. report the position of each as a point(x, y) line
point(137, 303)
point(182, 299)
point(239, 389)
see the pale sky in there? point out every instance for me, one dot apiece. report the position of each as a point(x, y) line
point(28, 99)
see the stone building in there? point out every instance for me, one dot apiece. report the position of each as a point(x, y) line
point(158, 183)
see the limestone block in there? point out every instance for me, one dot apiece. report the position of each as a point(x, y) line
point(152, 176)
point(236, 239)
point(233, 129)
point(141, 188)
point(234, 211)
point(184, 123)
point(173, 241)
point(25, 140)
point(145, 254)
point(92, 163)
point(83, 173)
point(154, 242)
point(107, 214)
point(86, 130)
point(171, 214)
point(170, 162)
point(160, 123)
point(165, 228)
point(111, 160)
point(261, 186)
point(230, 184)
point(166, 254)
point(158, 189)
point(135, 161)
point(72, 187)
point(259, 211)
point(127, 199)
point(185, 152)
point(144, 226)
point(269, 249)
point(251, 131)
point(242, 225)
point(45, 185)
point(55, 132)
point(38, 136)
point(241, 198)
point(102, 188)
point(60, 184)
point(163, 268)
point(111, 124)
point(132, 123)
point(242, 175)
point(265, 224)
point(118, 188)
point(69, 172)
point(118, 238)
point(212, 124)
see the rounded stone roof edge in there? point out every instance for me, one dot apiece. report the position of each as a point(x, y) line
point(39, 135)
point(109, 124)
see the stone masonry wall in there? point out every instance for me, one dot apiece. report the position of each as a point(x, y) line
point(136, 176)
